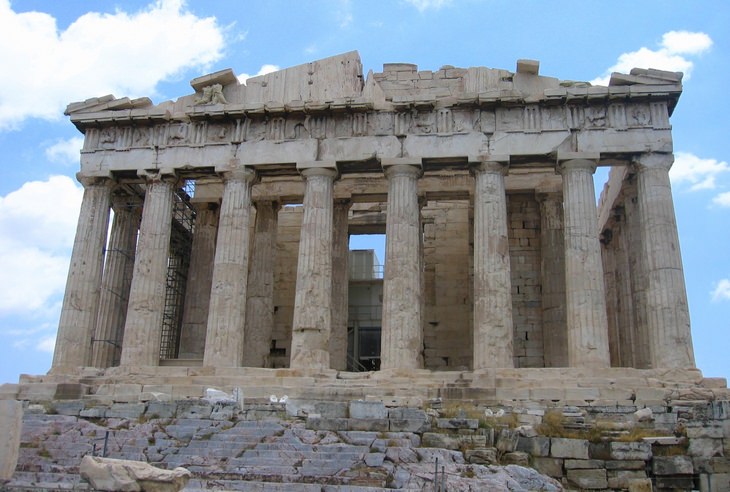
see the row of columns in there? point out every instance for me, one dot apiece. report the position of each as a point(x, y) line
point(322, 272)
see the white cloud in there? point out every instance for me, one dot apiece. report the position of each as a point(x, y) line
point(37, 228)
point(423, 5)
point(65, 151)
point(344, 13)
point(126, 54)
point(722, 290)
point(722, 200)
point(268, 68)
point(47, 344)
point(699, 173)
point(669, 56)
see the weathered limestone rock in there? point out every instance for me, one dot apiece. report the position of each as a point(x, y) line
point(11, 418)
point(81, 300)
point(147, 294)
point(312, 316)
point(226, 316)
point(492, 286)
point(402, 338)
point(131, 476)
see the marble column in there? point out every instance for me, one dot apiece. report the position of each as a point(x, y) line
point(83, 284)
point(585, 293)
point(143, 326)
point(340, 284)
point(117, 281)
point(552, 274)
point(668, 325)
point(402, 334)
point(493, 332)
point(638, 281)
point(227, 312)
point(200, 278)
point(260, 299)
point(312, 317)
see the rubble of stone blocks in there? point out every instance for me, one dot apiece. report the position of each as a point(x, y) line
point(360, 444)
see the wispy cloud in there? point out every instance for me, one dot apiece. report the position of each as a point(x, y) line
point(98, 54)
point(697, 172)
point(65, 151)
point(672, 55)
point(722, 199)
point(268, 68)
point(722, 291)
point(423, 5)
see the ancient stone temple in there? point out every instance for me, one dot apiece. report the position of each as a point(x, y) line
point(233, 208)
point(219, 320)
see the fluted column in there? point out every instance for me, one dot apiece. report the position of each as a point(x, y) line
point(117, 281)
point(638, 281)
point(340, 284)
point(668, 325)
point(552, 274)
point(402, 334)
point(143, 326)
point(260, 297)
point(200, 278)
point(585, 295)
point(493, 333)
point(312, 317)
point(83, 284)
point(227, 310)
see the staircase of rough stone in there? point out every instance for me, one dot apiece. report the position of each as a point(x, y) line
point(356, 447)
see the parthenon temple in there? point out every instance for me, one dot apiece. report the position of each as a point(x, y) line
point(234, 206)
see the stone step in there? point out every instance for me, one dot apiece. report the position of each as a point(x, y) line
point(253, 486)
point(39, 481)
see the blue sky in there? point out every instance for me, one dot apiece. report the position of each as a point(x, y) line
point(53, 53)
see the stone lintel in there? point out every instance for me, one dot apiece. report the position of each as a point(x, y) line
point(223, 77)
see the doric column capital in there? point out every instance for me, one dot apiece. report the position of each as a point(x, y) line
point(274, 204)
point(489, 163)
point(158, 175)
point(649, 161)
point(317, 168)
point(492, 167)
point(125, 202)
point(568, 161)
point(90, 180)
point(402, 166)
point(239, 174)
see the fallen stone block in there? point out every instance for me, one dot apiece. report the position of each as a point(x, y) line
point(457, 423)
point(109, 474)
